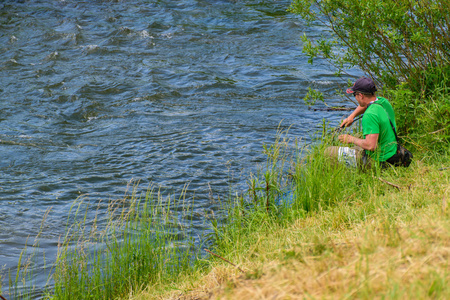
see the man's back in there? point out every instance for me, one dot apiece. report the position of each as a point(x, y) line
point(376, 121)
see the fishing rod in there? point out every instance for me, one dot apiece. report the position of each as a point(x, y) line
point(337, 130)
point(340, 128)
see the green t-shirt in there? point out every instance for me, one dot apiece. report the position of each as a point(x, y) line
point(376, 120)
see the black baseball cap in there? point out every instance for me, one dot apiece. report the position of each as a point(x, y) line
point(363, 85)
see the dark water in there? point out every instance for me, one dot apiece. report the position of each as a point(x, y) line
point(95, 94)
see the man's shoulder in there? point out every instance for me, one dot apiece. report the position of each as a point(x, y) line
point(371, 113)
point(375, 107)
point(383, 101)
point(383, 104)
point(375, 110)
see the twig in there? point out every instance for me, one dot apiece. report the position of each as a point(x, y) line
point(437, 131)
point(336, 108)
point(389, 183)
point(224, 260)
point(3, 298)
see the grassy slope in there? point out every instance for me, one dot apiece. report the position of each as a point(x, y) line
point(386, 242)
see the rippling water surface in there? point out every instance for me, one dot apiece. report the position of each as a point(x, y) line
point(97, 93)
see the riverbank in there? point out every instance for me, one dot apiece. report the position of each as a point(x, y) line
point(381, 234)
point(345, 234)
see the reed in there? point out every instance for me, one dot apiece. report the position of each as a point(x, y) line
point(143, 241)
point(21, 281)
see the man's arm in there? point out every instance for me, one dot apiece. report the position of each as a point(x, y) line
point(369, 143)
point(349, 120)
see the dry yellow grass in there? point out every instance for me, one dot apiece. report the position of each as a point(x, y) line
point(359, 264)
point(401, 251)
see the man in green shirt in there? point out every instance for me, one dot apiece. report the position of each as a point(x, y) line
point(379, 142)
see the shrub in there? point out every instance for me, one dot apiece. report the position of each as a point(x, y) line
point(391, 41)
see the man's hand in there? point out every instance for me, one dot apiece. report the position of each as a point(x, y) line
point(346, 138)
point(347, 121)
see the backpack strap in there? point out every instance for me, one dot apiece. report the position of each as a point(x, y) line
point(392, 125)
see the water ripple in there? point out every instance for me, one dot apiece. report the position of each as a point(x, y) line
point(97, 93)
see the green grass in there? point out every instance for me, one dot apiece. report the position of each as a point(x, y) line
point(395, 221)
point(257, 232)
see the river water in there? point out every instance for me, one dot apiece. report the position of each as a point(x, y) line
point(95, 94)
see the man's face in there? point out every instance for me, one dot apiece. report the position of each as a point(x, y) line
point(359, 98)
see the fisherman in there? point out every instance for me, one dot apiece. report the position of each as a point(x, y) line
point(379, 141)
